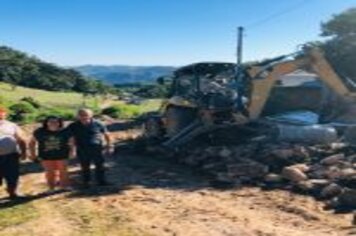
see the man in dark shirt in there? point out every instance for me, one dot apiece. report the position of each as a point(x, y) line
point(88, 135)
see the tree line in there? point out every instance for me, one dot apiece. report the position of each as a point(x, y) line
point(18, 68)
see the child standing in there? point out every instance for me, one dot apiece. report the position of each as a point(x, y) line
point(50, 144)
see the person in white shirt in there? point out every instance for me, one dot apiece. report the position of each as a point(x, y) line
point(12, 149)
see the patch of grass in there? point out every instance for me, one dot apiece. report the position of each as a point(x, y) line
point(127, 111)
point(17, 215)
point(150, 105)
point(122, 111)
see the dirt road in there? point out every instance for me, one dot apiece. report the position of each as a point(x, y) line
point(153, 196)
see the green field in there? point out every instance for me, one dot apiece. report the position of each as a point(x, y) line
point(65, 104)
point(149, 105)
point(47, 98)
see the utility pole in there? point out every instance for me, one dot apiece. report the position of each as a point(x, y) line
point(240, 31)
point(239, 75)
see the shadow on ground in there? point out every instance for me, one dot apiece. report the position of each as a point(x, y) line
point(126, 171)
point(8, 203)
point(31, 167)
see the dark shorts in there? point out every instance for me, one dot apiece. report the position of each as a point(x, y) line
point(9, 169)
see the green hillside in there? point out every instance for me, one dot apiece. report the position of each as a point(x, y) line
point(46, 98)
point(20, 69)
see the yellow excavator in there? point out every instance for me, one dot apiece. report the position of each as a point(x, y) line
point(207, 96)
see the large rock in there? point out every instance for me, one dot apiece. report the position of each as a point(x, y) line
point(306, 185)
point(330, 191)
point(349, 182)
point(317, 171)
point(302, 167)
point(223, 177)
point(273, 178)
point(320, 183)
point(348, 173)
point(283, 153)
point(313, 186)
point(294, 174)
point(333, 160)
point(347, 198)
point(333, 172)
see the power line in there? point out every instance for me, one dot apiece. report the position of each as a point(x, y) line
point(278, 14)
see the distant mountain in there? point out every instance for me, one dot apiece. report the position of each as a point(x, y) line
point(121, 74)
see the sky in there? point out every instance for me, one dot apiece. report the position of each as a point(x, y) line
point(160, 32)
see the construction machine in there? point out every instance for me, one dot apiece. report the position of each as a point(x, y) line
point(208, 96)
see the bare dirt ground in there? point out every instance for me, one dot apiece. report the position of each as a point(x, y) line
point(155, 196)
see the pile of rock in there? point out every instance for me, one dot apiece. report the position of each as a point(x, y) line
point(324, 171)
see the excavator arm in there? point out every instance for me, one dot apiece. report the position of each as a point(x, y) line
point(312, 60)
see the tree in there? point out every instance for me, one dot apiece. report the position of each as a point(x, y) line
point(153, 91)
point(12, 76)
point(340, 46)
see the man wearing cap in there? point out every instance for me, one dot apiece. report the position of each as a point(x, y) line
point(12, 149)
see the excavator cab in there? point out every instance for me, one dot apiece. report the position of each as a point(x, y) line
point(200, 91)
